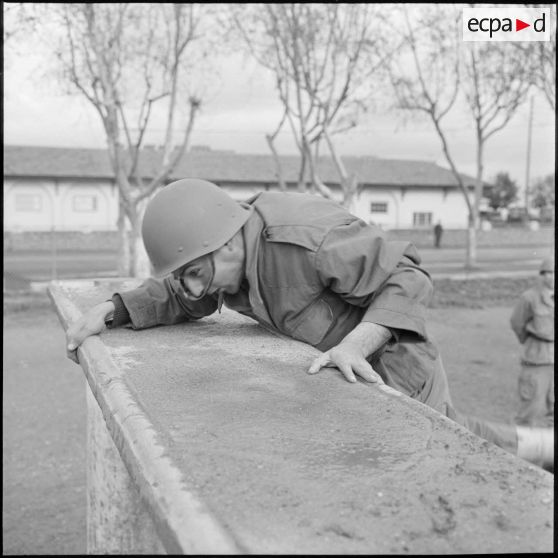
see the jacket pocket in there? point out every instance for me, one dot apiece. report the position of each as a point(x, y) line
point(313, 323)
point(542, 323)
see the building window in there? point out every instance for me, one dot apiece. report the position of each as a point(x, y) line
point(25, 203)
point(422, 219)
point(84, 204)
point(378, 207)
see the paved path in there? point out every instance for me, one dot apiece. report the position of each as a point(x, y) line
point(519, 260)
point(43, 481)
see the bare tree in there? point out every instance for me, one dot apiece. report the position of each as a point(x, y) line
point(496, 82)
point(125, 59)
point(426, 79)
point(270, 138)
point(544, 76)
point(322, 56)
point(545, 67)
point(19, 19)
point(541, 59)
point(494, 77)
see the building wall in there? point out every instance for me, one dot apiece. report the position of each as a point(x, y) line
point(63, 205)
point(71, 205)
point(89, 205)
point(394, 207)
point(412, 208)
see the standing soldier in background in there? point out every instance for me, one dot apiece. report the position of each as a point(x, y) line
point(438, 230)
point(532, 321)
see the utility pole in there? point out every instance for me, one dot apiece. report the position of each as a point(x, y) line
point(528, 165)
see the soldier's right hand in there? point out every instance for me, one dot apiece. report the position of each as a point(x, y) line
point(91, 323)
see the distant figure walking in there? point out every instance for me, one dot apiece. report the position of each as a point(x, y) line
point(438, 230)
point(532, 321)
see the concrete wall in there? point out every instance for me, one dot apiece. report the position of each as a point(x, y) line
point(232, 449)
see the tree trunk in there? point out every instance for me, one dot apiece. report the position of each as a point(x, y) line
point(471, 251)
point(280, 179)
point(478, 185)
point(474, 214)
point(349, 193)
point(347, 182)
point(322, 188)
point(302, 173)
point(123, 245)
point(141, 266)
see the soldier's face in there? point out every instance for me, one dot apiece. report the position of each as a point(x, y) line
point(196, 277)
point(222, 270)
point(229, 268)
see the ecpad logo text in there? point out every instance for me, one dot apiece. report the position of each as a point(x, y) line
point(506, 24)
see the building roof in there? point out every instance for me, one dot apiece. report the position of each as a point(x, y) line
point(222, 166)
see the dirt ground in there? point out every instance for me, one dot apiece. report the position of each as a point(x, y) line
point(43, 504)
point(44, 407)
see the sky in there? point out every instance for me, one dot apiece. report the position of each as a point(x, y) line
point(238, 114)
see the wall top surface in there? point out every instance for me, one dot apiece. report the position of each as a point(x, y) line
point(267, 459)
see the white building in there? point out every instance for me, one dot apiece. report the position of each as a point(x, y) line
point(66, 189)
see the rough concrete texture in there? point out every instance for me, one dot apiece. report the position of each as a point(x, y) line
point(299, 464)
point(118, 520)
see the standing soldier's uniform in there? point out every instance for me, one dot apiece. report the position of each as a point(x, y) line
point(532, 321)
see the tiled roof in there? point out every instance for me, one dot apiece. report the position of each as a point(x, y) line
point(222, 166)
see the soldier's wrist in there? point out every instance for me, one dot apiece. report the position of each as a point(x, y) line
point(107, 311)
point(119, 314)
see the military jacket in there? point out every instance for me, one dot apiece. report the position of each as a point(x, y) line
point(532, 321)
point(313, 271)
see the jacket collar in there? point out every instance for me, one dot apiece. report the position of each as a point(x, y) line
point(252, 240)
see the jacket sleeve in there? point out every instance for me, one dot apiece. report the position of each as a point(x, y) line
point(356, 262)
point(521, 315)
point(161, 302)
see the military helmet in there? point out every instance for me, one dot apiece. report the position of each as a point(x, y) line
point(188, 219)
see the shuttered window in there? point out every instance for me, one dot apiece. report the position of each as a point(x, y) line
point(84, 204)
point(28, 203)
point(378, 207)
point(422, 219)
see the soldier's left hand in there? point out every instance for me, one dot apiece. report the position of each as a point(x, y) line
point(350, 360)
